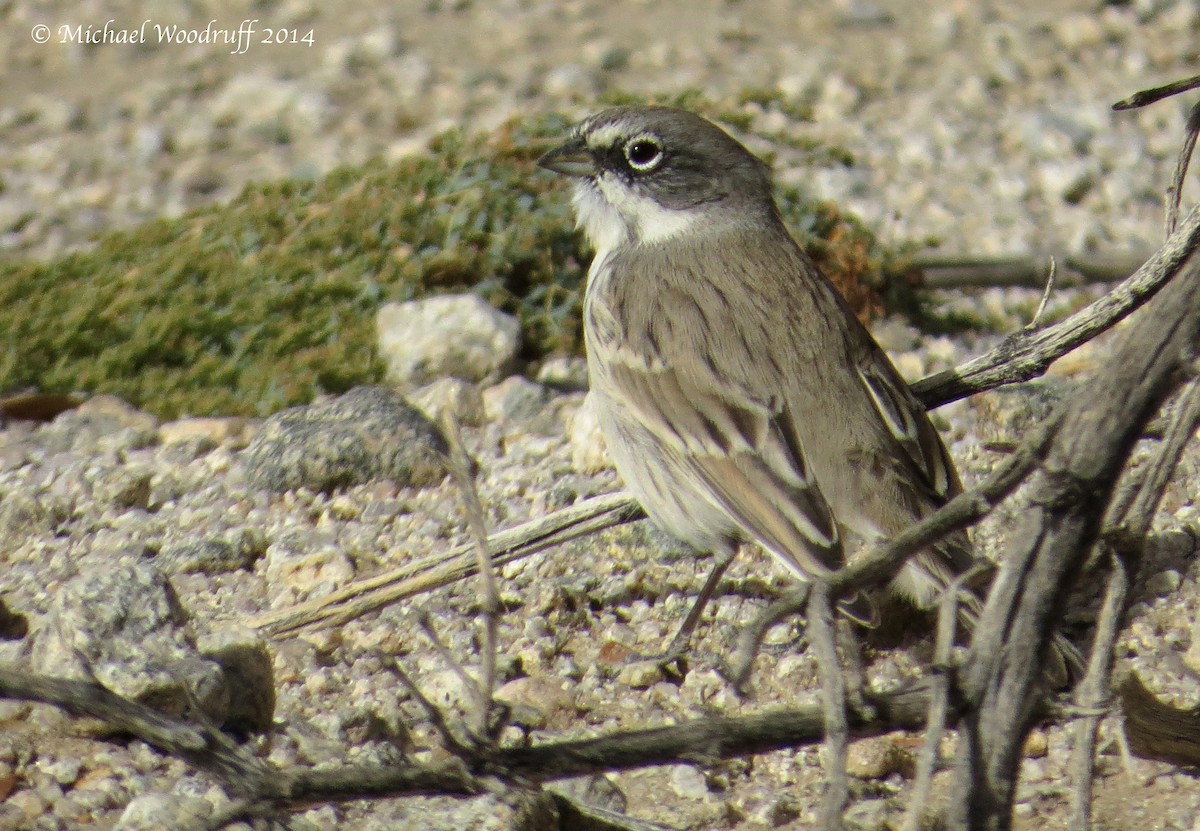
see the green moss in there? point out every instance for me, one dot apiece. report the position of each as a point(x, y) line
point(265, 302)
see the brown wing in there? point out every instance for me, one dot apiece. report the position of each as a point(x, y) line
point(746, 453)
point(908, 424)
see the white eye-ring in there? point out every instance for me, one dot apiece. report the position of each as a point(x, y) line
point(643, 153)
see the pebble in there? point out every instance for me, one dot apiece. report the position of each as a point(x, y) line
point(515, 399)
point(450, 395)
point(589, 452)
point(878, 758)
point(156, 811)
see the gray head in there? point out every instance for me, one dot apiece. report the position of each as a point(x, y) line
point(647, 173)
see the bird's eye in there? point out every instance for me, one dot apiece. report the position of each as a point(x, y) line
point(643, 154)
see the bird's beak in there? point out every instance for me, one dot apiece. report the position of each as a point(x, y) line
point(570, 159)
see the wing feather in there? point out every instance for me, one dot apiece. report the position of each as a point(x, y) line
point(744, 451)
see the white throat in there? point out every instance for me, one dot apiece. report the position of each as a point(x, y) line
point(611, 214)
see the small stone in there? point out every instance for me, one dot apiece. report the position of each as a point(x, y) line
point(124, 488)
point(63, 771)
point(869, 815)
point(688, 781)
point(214, 431)
point(780, 811)
point(589, 453)
point(28, 803)
point(514, 399)
point(564, 374)
point(123, 624)
point(1036, 745)
point(451, 335)
point(1163, 583)
point(156, 811)
point(224, 554)
point(538, 702)
point(640, 675)
point(307, 568)
point(249, 673)
point(863, 13)
point(598, 791)
point(103, 423)
point(454, 395)
point(1081, 30)
point(879, 757)
point(570, 82)
point(270, 107)
point(1069, 180)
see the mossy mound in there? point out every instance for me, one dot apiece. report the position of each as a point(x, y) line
point(264, 303)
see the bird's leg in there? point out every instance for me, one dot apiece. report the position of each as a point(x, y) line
point(679, 644)
point(670, 659)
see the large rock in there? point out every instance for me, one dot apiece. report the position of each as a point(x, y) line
point(457, 335)
point(367, 434)
point(122, 624)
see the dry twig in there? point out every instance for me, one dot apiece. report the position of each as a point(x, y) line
point(1025, 355)
point(443, 568)
point(1023, 271)
point(821, 631)
point(939, 699)
point(460, 468)
point(1093, 692)
point(1147, 97)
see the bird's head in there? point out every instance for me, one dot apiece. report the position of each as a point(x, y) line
point(649, 174)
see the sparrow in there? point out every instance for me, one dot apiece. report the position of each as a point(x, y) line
point(740, 397)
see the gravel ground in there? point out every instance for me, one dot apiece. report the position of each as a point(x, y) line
point(983, 126)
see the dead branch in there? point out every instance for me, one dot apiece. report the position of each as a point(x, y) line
point(1025, 355)
point(363, 596)
point(833, 701)
point(483, 688)
point(1093, 691)
point(1021, 271)
point(1069, 494)
point(1175, 191)
point(1146, 97)
point(939, 701)
point(701, 740)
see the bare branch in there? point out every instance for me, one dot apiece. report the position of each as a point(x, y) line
point(1093, 692)
point(201, 745)
point(442, 569)
point(1025, 355)
point(1175, 191)
point(1023, 271)
point(460, 468)
point(1036, 321)
point(1150, 96)
point(1068, 495)
point(939, 701)
point(833, 699)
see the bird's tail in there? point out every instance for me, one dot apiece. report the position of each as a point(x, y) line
point(928, 575)
point(1063, 665)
